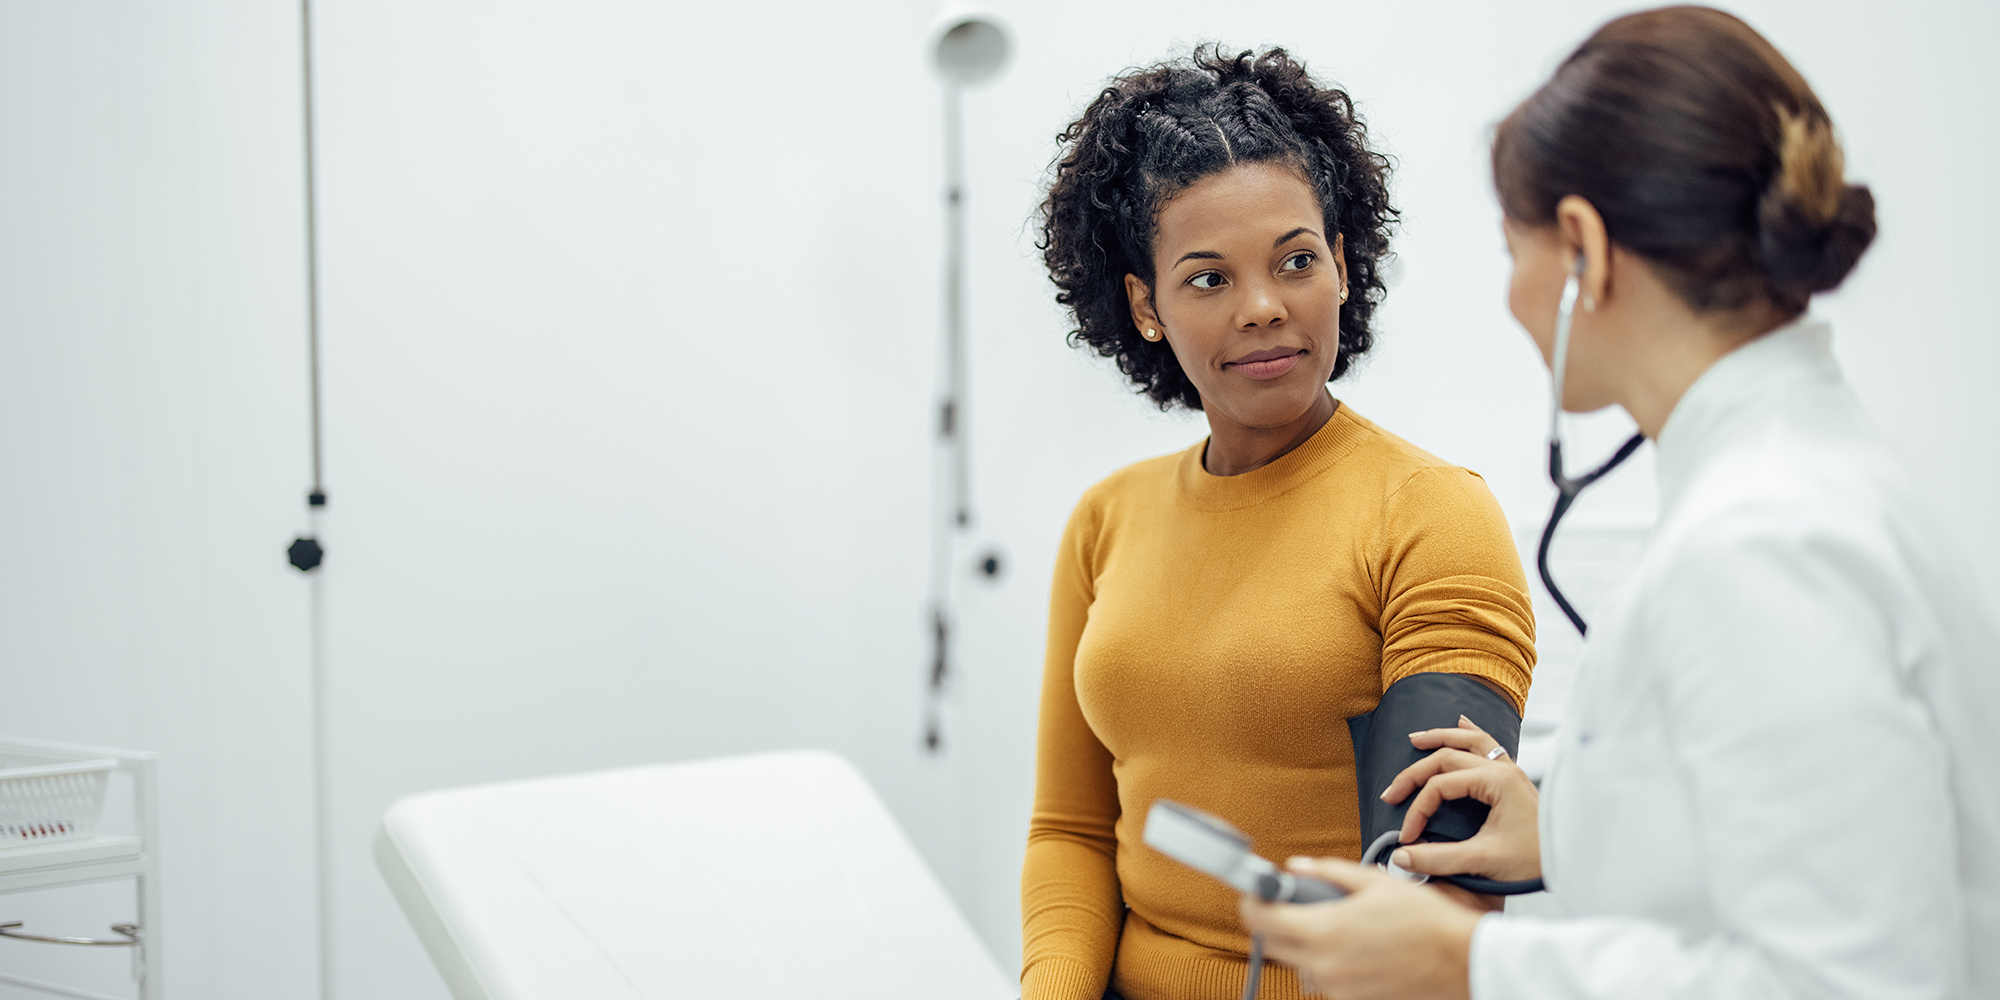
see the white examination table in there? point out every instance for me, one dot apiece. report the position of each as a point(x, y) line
point(775, 875)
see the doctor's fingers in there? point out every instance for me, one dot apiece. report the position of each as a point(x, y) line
point(1481, 781)
point(1467, 736)
point(1278, 926)
point(1297, 935)
point(1380, 943)
point(1508, 845)
point(1293, 918)
point(1508, 851)
point(1439, 762)
point(1462, 857)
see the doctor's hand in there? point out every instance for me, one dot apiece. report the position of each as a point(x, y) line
point(1509, 846)
point(1387, 938)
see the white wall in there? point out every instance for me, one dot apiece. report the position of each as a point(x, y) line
point(629, 314)
point(151, 380)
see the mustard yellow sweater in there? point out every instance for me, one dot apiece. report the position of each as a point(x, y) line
point(1208, 639)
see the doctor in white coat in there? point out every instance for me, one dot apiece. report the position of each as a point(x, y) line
point(1777, 773)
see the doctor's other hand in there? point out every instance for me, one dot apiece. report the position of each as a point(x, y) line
point(1387, 938)
point(1468, 763)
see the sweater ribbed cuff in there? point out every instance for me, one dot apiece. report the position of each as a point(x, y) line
point(1059, 979)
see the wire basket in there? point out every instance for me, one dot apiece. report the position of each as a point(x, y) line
point(47, 795)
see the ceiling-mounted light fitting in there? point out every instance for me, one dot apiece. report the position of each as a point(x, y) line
point(969, 44)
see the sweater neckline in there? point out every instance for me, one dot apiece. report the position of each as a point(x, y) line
point(1200, 489)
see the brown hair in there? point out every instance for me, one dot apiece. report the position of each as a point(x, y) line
point(1705, 152)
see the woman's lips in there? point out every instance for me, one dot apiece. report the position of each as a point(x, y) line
point(1268, 368)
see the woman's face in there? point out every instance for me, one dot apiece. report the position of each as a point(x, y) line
point(1247, 291)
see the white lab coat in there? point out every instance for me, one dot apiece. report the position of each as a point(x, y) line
point(1779, 774)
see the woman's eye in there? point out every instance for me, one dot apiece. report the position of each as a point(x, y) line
point(1206, 279)
point(1297, 262)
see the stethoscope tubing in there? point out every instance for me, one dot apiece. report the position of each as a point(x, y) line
point(1567, 488)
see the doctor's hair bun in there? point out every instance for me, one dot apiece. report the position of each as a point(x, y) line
point(1812, 224)
point(1150, 134)
point(1705, 152)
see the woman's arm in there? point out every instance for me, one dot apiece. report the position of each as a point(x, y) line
point(1071, 908)
point(1454, 597)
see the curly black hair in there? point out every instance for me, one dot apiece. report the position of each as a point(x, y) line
point(1155, 131)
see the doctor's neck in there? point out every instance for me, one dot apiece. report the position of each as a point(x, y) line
point(1647, 346)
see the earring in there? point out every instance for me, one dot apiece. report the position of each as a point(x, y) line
point(1589, 304)
point(1151, 334)
point(1343, 293)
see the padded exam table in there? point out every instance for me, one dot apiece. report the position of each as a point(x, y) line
point(775, 875)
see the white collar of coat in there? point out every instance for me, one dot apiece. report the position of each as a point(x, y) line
point(1741, 382)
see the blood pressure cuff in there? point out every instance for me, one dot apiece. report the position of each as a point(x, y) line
point(1382, 750)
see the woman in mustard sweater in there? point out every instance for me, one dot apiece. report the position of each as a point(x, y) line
point(1215, 226)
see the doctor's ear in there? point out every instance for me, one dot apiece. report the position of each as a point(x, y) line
point(1585, 238)
point(1143, 315)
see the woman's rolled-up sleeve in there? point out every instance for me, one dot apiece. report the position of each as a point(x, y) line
point(1454, 597)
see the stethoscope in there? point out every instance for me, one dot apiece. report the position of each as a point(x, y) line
point(1567, 488)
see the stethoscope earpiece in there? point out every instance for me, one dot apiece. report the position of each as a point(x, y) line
point(1567, 488)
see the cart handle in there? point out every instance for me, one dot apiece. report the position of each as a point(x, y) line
point(130, 934)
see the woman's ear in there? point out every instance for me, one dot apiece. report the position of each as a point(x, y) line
point(1141, 299)
point(1340, 260)
point(1582, 231)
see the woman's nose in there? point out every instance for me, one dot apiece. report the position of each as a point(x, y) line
point(1262, 306)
